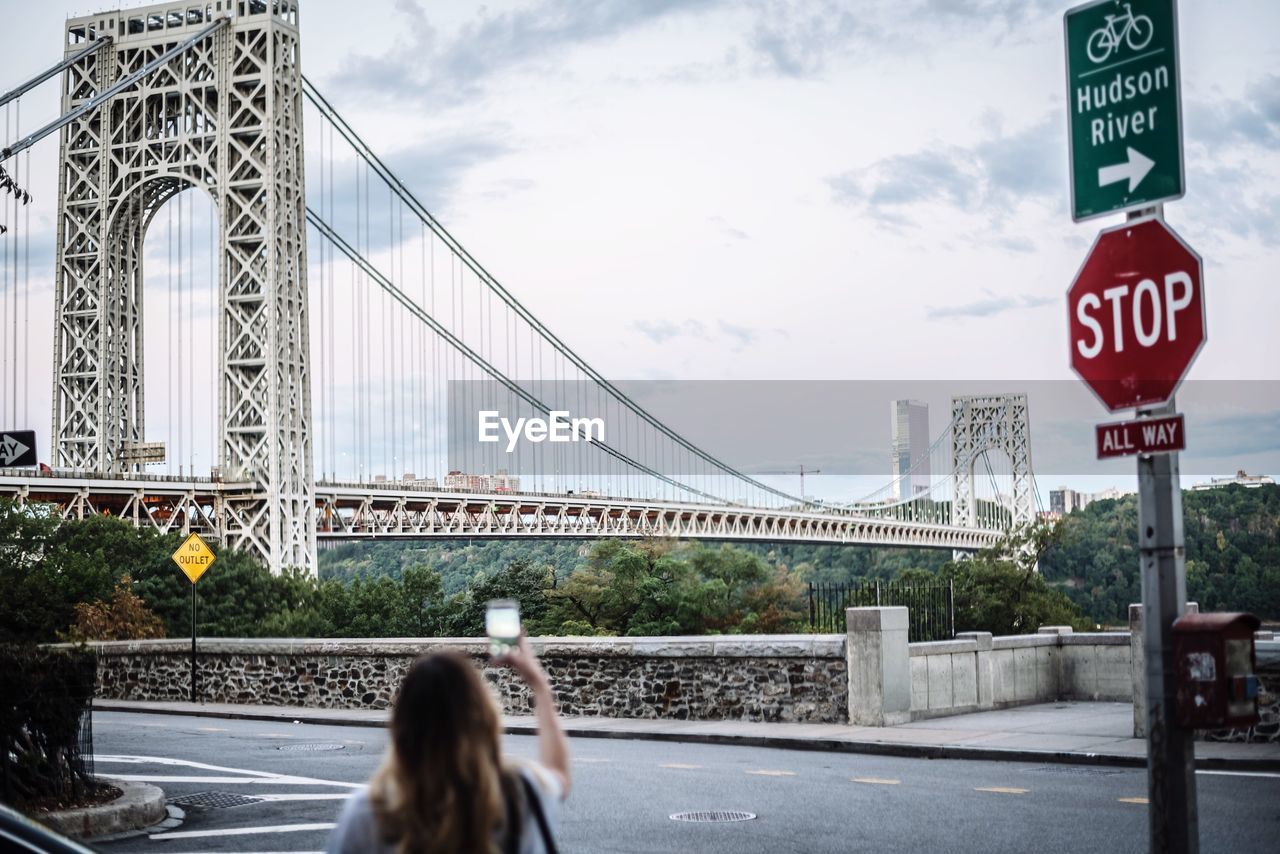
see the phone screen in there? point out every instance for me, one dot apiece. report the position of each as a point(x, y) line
point(502, 624)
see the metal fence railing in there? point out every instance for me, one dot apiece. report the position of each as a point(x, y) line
point(931, 611)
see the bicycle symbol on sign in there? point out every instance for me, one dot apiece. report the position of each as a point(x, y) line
point(1133, 30)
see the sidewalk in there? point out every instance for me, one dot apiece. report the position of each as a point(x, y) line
point(1065, 732)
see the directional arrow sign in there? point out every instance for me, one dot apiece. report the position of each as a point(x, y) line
point(1124, 104)
point(18, 448)
point(1132, 170)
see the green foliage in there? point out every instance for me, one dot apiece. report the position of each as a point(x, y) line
point(658, 588)
point(1233, 553)
point(125, 617)
point(46, 693)
point(1000, 591)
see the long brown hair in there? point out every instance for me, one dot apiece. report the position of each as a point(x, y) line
point(442, 788)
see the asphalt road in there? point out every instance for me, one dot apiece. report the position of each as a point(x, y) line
point(625, 791)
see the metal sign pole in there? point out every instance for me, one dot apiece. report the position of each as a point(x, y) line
point(1171, 763)
point(193, 642)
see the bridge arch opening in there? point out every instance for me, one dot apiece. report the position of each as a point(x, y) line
point(180, 308)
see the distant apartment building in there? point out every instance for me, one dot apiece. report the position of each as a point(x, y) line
point(500, 481)
point(909, 443)
point(1248, 481)
point(1064, 499)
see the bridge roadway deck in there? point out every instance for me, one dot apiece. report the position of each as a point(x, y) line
point(348, 511)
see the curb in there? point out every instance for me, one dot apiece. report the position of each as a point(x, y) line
point(139, 805)
point(905, 750)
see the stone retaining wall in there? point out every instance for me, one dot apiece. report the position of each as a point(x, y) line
point(793, 678)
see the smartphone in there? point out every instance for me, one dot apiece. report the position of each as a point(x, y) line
point(502, 624)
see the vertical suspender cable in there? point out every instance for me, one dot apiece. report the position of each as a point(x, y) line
point(181, 341)
point(26, 294)
point(323, 438)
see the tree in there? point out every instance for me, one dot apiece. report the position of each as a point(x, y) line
point(125, 617)
point(525, 582)
point(1000, 591)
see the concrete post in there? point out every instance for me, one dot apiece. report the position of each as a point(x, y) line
point(986, 678)
point(1138, 667)
point(879, 666)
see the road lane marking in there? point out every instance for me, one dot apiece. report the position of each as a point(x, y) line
point(1142, 801)
point(245, 831)
point(211, 729)
point(680, 765)
point(880, 781)
point(1001, 790)
point(297, 796)
point(589, 760)
point(1240, 773)
point(172, 778)
point(768, 772)
point(265, 777)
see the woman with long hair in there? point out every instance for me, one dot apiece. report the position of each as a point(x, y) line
point(444, 787)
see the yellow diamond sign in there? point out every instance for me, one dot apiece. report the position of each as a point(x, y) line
point(193, 557)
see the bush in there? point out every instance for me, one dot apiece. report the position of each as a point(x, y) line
point(47, 694)
point(125, 617)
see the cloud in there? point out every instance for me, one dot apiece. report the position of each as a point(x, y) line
point(1252, 121)
point(728, 230)
point(795, 39)
point(1009, 13)
point(992, 176)
point(1237, 436)
point(662, 331)
point(990, 306)
point(734, 335)
point(741, 334)
point(428, 67)
point(431, 170)
point(1230, 199)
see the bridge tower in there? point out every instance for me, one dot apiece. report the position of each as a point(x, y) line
point(224, 116)
point(991, 422)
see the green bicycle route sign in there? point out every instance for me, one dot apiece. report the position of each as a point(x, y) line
point(1123, 99)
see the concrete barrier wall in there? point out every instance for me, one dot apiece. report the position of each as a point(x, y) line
point(978, 671)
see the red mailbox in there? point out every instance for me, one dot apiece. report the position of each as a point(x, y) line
point(1214, 656)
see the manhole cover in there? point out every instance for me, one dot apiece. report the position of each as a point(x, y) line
point(318, 745)
point(213, 800)
point(713, 816)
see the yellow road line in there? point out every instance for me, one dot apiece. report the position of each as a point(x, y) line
point(877, 780)
point(1003, 790)
point(765, 772)
point(680, 765)
point(1134, 801)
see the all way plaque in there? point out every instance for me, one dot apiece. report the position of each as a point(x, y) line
point(1143, 436)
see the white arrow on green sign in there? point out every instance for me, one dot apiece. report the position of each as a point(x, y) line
point(1124, 104)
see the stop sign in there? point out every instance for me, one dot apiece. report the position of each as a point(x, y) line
point(1136, 314)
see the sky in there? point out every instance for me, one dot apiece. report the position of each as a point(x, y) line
point(765, 190)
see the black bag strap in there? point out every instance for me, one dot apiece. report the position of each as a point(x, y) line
point(535, 806)
point(511, 794)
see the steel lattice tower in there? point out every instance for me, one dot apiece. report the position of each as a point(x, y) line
point(991, 422)
point(224, 116)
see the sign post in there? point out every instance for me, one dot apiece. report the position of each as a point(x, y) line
point(193, 557)
point(1124, 105)
point(1136, 321)
point(1171, 760)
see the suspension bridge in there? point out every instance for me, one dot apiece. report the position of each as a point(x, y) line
point(315, 320)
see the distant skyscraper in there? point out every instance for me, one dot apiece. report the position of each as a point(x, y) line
point(910, 447)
